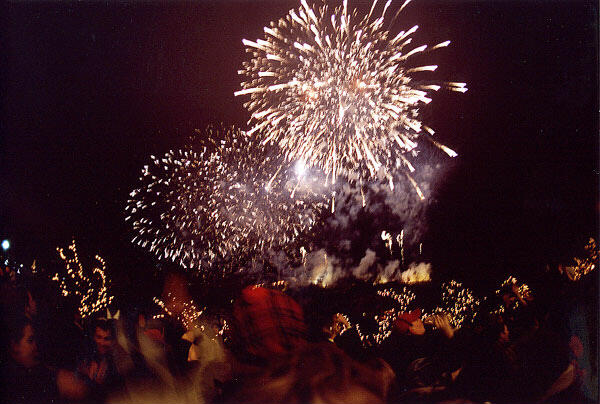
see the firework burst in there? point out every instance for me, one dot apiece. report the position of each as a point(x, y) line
point(222, 199)
point(336, 90)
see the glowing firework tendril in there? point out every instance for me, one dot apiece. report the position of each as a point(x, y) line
point(223, 198)
point(336, 91)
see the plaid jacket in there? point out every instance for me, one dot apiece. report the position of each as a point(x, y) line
point(267, 322)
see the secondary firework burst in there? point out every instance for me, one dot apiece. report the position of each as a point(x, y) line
point(220, 200)
point(337, 91)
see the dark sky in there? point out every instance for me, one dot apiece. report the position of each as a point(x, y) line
point(93, 88)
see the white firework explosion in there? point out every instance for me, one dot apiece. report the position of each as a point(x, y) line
point(336, 90)
point(223, 199)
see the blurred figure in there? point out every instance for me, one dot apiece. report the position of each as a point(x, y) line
point(425, 361)
point(160, 375)
point(66, 334)
point(517, 308)
point(25, 379)
point(314, 373)
point(267, 323)
point(491, 364)
point(23, 346)
point(104, 339)
point(336, 329)
point(211, 361)
point(544, 358)
point(99, 367)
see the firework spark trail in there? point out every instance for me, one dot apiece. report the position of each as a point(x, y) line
point(336, 91)
point(221, 199)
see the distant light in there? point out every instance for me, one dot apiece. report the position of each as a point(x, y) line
point(5, 245)
point(300, 168)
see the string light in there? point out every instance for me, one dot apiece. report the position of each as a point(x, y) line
point(584, 266)
point(458, 302)
point(188, 316)
point(404, 298)
point(523, 291)
point(283, 285)
point(90, 286)
point(346, 325)
point(385, 320)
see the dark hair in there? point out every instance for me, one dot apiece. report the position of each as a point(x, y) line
point(14, 329)
point(493, 326)
point(103, 324)
point(14, 300)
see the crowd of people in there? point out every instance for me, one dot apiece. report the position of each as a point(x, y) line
point(274, 349)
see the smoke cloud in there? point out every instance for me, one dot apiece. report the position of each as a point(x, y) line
point(348, 242)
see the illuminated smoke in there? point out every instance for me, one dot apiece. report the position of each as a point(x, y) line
point(361, 271)
point(416, 273)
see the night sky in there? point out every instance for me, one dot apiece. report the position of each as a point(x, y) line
point(92, 89)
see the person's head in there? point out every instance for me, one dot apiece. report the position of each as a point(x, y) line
point(508, 298)
point(507, 294)
point(19, 300)
point(104, 336)
point(266, 322)
point(22, 344)
point(410, 323)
